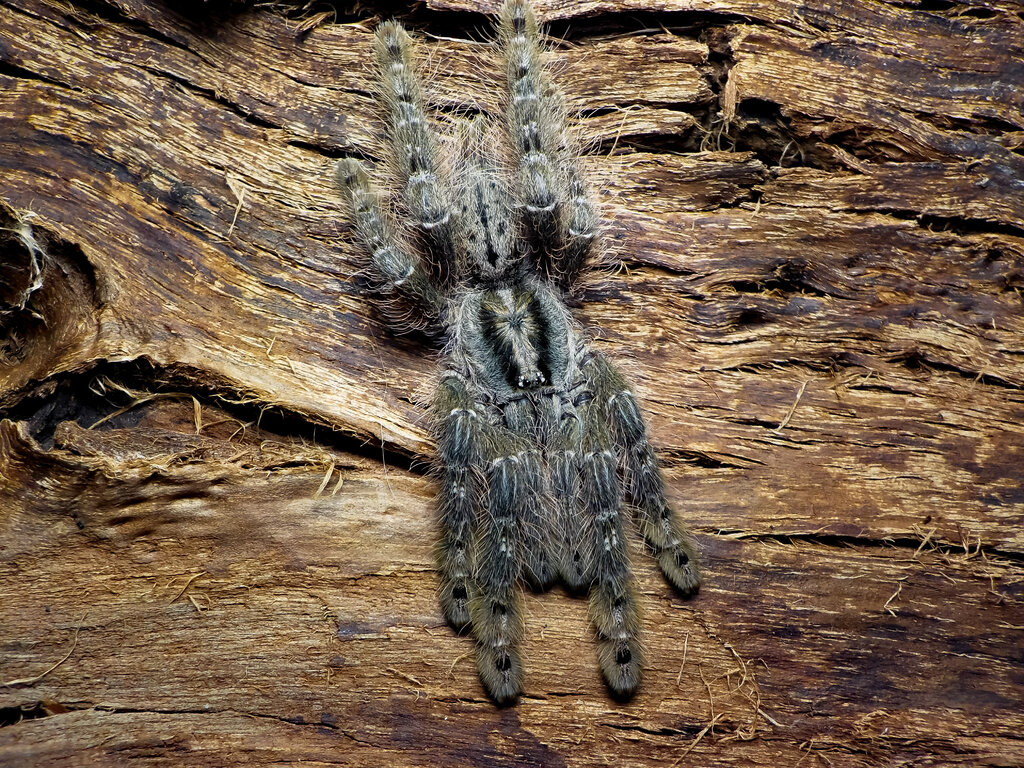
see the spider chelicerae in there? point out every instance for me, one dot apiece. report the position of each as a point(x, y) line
point(542, 450)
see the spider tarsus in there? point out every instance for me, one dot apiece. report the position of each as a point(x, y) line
point(501, 672)
point(680, 567)
point(455, 603)
point(498, 626)
point(347, 171)
point(621, 664)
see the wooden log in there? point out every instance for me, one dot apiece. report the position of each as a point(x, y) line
point(216, 528)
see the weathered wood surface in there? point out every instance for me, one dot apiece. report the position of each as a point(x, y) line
point(820, 212)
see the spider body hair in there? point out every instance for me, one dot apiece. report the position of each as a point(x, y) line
point(541, 447)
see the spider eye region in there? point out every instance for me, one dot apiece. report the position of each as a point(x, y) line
point(517, 337)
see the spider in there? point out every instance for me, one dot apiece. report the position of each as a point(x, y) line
point(541, 447)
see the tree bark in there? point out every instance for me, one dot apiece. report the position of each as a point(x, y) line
point(216, 527)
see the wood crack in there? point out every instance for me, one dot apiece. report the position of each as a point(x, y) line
point(914, 542)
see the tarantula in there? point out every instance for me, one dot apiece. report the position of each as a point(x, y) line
point(540, 443)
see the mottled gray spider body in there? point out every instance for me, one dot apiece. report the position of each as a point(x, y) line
point(540, 442)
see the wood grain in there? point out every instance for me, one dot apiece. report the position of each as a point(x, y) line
point(215, 522)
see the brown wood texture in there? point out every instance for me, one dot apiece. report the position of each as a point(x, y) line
point(215, 522)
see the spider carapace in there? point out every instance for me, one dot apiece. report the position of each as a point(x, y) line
point(542, 453)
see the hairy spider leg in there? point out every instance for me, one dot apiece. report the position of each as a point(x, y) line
point(613, 606)
point(573, 531)
point(533, 130)
point(645, 488)
point(558, 212)
point(539, 542)
point(414, 150)
point(495, 611)
point(407, 295)
point(459, 428)
point(581, 224)
point(481, 590)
